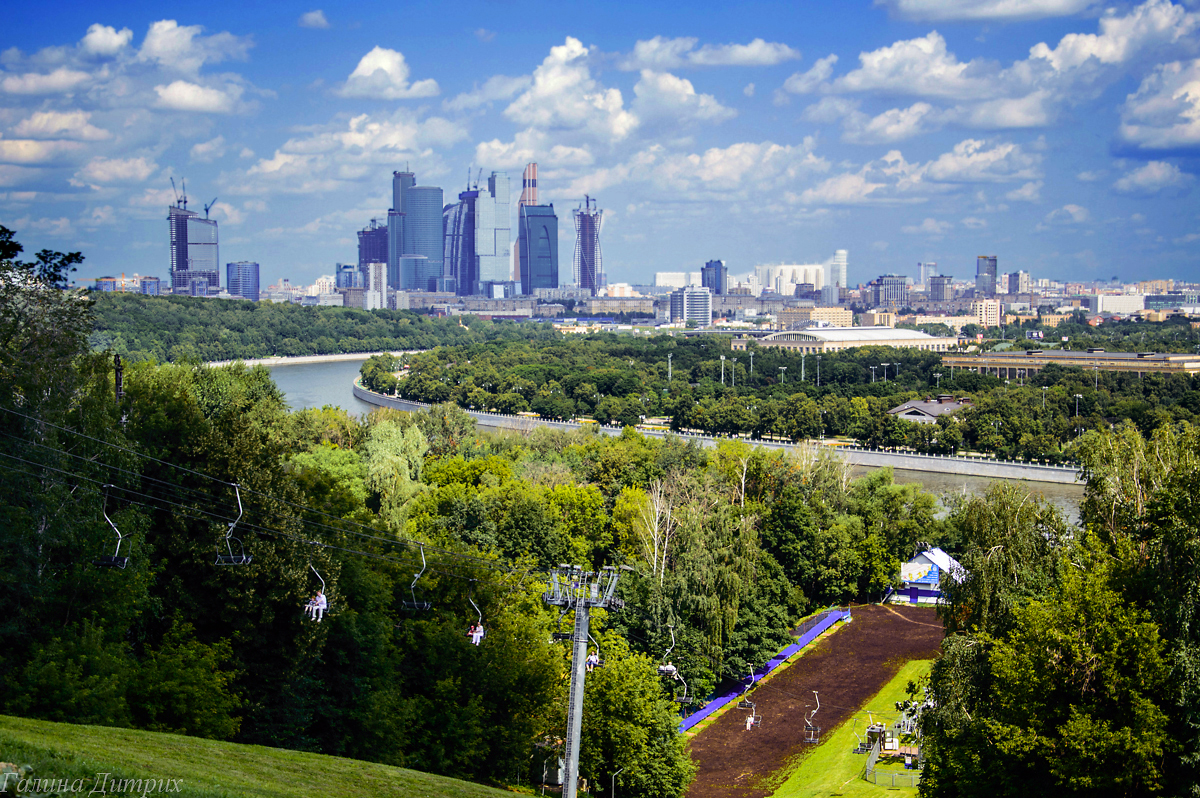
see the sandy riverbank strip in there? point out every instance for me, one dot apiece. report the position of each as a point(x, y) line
point(301, 360)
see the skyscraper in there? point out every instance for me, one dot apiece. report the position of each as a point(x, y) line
point(375, 296)
point(529, 196)
point(537, 245)
point(836, 267)
point(714, 276)
point(414, 229)
point(692, 304)
point(477, 234)
point(588, 263)
point(242, 279)
point(889, 290)
point(985, 275)
point(372, 246)
point(940, 289)
point(194, 249)
point(347, 275)
point(925, 271)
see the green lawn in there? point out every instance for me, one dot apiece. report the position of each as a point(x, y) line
point(831, 768)
point(210, 769)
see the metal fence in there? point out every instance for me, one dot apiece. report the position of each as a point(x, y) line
point(888, 778)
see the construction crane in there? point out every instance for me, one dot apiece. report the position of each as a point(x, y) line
point(209, 205)
point(180, 199)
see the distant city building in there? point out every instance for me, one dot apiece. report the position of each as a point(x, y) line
point(985, 275)
point(941, 288)
point(347, 275)
point(676, 279)
point(799, 318)
point(715, 277)
point(1123, 304)
point(241, 279)
point(529, 196)
point(375, 295)
point(692, 304)
point(194, 248)
point(889, 290)
point(537, 246)
point(151, 286)
point(477, 233)
point(372, 246)
point(105, 284)
point(415, 248)
point(926, 271)
point(1017, 283)
point(588, 263)
point(877, 318)
point(816, 340)
point(987, 312)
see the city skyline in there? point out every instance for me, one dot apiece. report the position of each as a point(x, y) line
point(1061, 137)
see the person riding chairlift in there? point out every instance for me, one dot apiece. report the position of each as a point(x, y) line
point(593, 659)
point(476, 633)
point(316, 606)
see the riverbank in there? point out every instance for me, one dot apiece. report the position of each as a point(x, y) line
point(938, 464)
point(304, 360)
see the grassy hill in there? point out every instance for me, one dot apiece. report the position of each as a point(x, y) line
point(210, 769)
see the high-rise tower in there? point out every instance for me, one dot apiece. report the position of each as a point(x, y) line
point(529, 196)
point(372, 246)
point(588, 263)
point(985, 275)
point(714, 276)
point(194, 249)
point(477, 235)
point(415, 246)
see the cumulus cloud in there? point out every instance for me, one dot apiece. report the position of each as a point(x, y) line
point(495, 88)
point(29, 152)
point(809, 81)
point(1153, 178)
point(896, 124)
point(985, 10)
point(101, 171)
point(484, 35)
point(530, 145)
point(1121, 37)
point(59, 81)
point(661, 94)
point(1164, 113)
point(974, 223)
point(1030, 192)
point(565, 97)
point(60, 125)
point(184, 96)
point(929, 227)
point(106, 41)
point(208, 151)
point(921, 66)
point(227, 214)
point(185, 49)
point(661, 53)
point(843, 189)
point(973, 161)
point(382, 74)
point(313, 19)
point(1068, 215)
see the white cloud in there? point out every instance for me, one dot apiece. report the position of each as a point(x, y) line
point(103, 40)
point(28, 152)
point(661, 94)
point(661, 53)
point(974, 223)
point(530, 145)
point(972, 161)
point(749, 90)
point(1068, 214)
point(844, 189)
point(985, 10)
point(208, 151)
point(896, 124)
point(930, 227)
point(183, 48)
point(1120, 38)
point(115, 170)
point(1153, 178)
point(59, 81)
point(1091, 176)
point(60, 125)
point(916, 66)
point(495, 88)
point(1164, 113)
point(313, 19)
point(565, 97)
point(1030, 192)
point(184, 96)
point(225, 213)
point(485, 35)
point(382, 74)
point(1187, 239)
point(1035, 109)
point(810, 81)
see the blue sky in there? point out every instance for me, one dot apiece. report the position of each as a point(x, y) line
point(1061, 135)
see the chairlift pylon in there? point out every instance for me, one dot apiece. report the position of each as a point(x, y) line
point(230, 558)
point(414, 604)
point(115, 560)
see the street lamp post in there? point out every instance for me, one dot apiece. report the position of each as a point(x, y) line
point(873, 372)
point(802, 356)
point(782, 375)
point(613, 786)
point(1078, 396)
point(1044, 397)
point(722, 369)
point(818, 371)
point(885, 365)
point(939, 380)
point(669, 367)
point(733, 374)
point(752, 365)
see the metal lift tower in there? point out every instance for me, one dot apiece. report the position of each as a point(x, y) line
point(570, 587)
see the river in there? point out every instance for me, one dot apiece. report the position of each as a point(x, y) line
point(318, 384)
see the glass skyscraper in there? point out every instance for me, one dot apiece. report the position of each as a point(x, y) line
point(588, 263)
point(372, 246)
point(242, 279)
point(537, 246)
point(985, 275)
point(476, 237)
point(194, 248)
point(714, 275)
point(415, 246)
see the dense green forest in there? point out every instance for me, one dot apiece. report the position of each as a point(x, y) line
point(190, 329)
point(1070, 664)
point(624, 379)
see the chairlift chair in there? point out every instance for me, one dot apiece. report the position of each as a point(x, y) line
point(812, 734)
point(328, 603)
point(666, 668)
point(230, 558)
point(746, 703)
point(599, 663)
point(412, 589)
point(115, 560)
point(478, 612)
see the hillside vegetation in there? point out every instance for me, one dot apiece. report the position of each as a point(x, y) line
point(207, 768)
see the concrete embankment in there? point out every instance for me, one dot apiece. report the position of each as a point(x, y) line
point(868, 458)
point(300, 360)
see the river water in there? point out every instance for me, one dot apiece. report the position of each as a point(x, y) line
point(319, 384)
